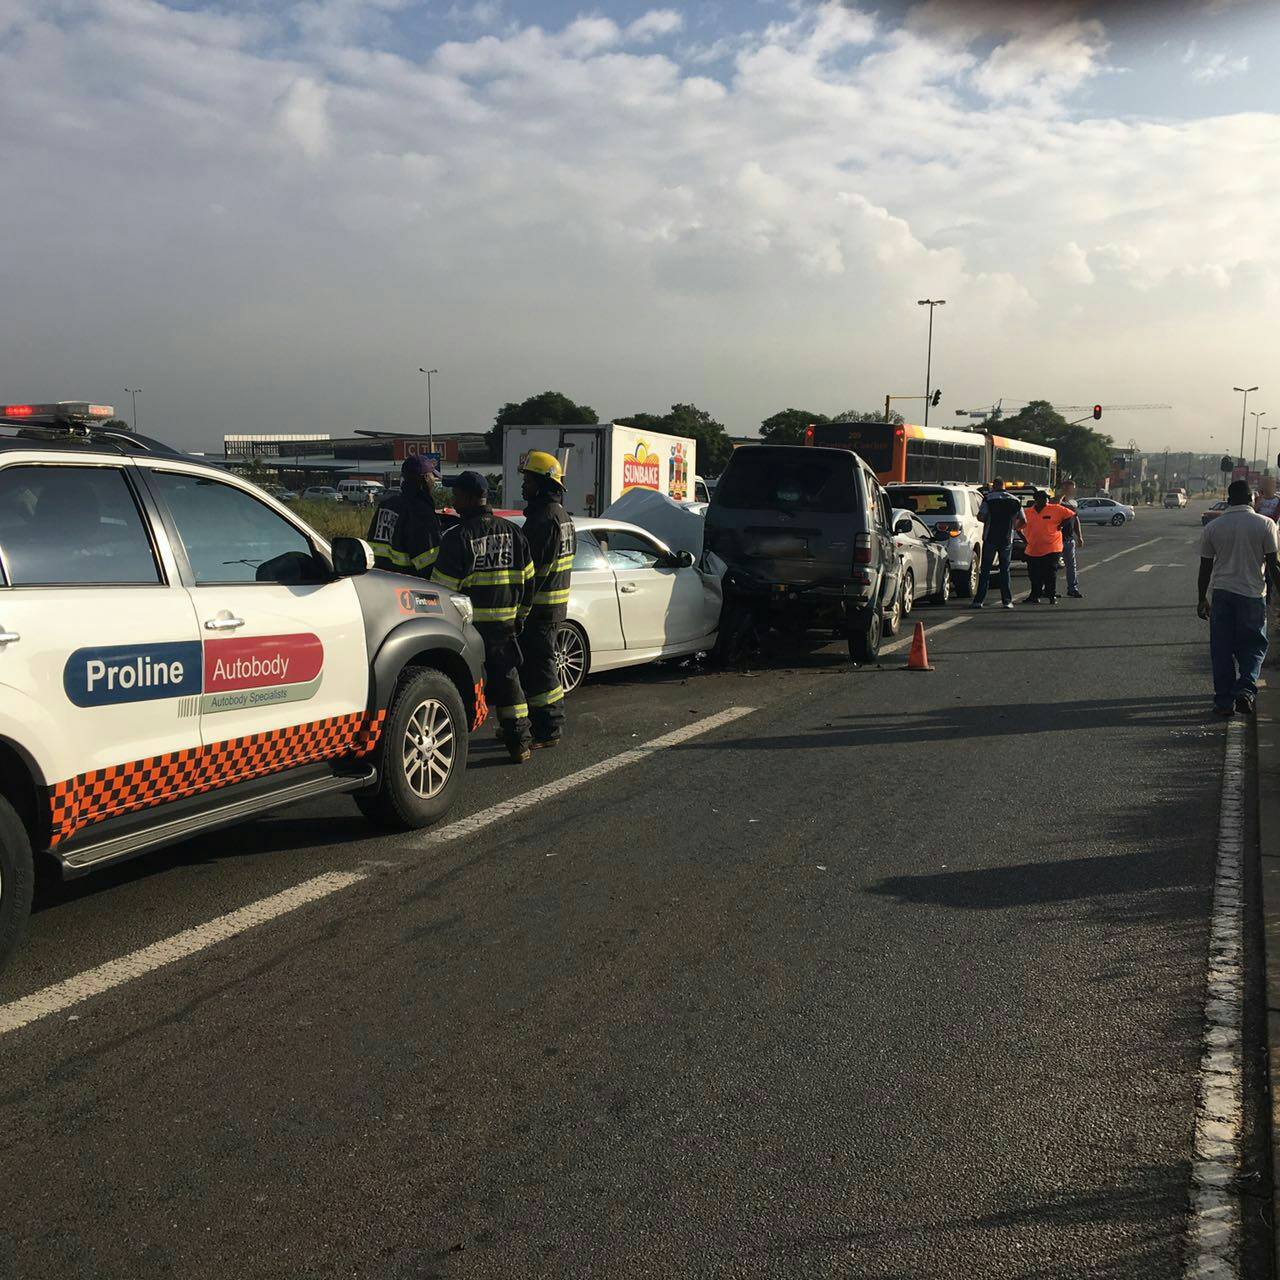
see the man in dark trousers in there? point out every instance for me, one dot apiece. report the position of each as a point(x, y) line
point(552, 541)
point(488, 558)
point(1042, 524)
point(998, 512)
point(405, 530)
point(1236, 551)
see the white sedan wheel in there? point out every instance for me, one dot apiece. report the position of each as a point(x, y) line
point(571, 656)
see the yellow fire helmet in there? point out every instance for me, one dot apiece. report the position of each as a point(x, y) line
point(537, 463)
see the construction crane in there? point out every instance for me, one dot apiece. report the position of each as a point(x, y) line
point(1107, 408)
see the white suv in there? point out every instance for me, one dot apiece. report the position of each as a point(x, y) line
point(951, 512)
point(178, 651)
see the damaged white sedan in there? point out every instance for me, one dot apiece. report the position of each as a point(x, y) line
point(636, 597)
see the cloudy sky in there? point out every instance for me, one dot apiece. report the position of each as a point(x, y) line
point(268, 214)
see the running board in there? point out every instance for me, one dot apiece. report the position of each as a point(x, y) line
point(93, 856)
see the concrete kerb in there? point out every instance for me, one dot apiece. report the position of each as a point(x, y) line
point(1268, 729)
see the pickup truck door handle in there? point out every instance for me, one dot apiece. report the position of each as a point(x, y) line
point(8, 637)
point(223, 624)
point(628, 588)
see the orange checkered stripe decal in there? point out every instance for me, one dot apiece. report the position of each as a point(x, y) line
point(125, 788)
point(482, 709)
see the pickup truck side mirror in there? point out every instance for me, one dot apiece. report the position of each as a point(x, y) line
point(351, 557)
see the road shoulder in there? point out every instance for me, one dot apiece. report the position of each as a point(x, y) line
point(1268, 731)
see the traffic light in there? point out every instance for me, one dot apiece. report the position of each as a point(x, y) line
point(1227, 464)
point(1097, 412)
point(937, 395)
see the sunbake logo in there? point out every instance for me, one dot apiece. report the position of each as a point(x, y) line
point(642, 469)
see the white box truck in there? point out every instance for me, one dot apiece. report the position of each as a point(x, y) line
point(602, 463)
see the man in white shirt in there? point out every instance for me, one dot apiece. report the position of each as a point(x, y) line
point(1236, 550)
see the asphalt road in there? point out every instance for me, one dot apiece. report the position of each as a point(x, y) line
point(899, 975)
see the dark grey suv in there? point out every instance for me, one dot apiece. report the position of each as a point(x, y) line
point(807, 534)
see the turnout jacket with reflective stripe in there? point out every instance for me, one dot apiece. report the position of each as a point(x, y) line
point(488, 558)
point(405, 534)
point(552, 542)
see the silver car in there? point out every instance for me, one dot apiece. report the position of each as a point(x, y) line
point(926, 567)
point(1103, 511)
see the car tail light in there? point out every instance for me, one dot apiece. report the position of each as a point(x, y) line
point(861, 548)
point(949, 527)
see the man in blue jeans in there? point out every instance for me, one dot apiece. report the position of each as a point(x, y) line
point(1236, 550)
point(998, 512)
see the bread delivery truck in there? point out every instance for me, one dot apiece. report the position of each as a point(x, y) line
point(602, 462)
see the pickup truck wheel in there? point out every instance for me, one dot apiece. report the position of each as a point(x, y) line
point(17, 876)
point(865, 633)
point(734, 634)
point(422, 754)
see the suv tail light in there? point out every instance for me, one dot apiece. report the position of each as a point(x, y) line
point(861, 548)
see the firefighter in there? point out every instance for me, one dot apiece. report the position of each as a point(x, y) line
point(549, 532)
point(405, 530)
point(488, 558)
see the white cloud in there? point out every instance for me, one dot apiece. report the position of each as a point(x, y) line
point(586, 207)
point(655, 23)
point(1208, 68)
point(303, 117)
point(1072, 264)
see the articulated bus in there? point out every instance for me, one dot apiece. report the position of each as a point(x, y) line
point(934, 454)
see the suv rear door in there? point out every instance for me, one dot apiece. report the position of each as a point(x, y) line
point(100, 663)
point(285, 659)
point(787, 515)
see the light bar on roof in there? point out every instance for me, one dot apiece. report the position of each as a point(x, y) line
point(59, 411)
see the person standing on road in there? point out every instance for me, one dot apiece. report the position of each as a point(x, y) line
point(1072, 537)
point(1267, 503)
point(1041, 524)
point(405, 530)
point(552, 542)
point(488, 558)
point(1236, 551)
point(998, 512)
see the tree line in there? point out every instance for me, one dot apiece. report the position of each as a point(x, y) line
point(1083, 453)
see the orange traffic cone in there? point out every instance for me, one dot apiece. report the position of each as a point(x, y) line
point(919, 657)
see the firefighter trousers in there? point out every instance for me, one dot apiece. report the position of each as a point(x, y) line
point(540, 677)
point(502, 689)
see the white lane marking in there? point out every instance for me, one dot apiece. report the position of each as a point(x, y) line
point(1146, 568)
point(487, 817)
point(1136, 547)
point(93, 982)
point(114, 973)
point(928, 630)
point(1213, 1251)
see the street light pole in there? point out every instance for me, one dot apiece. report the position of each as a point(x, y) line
point(928, 361)
point(1243, 407)
point(134, 392)
point(431, 435)
point(1256, 416)
point(1267, 459)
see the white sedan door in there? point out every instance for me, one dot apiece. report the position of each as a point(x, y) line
point(593, 598)
point(662, 606)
